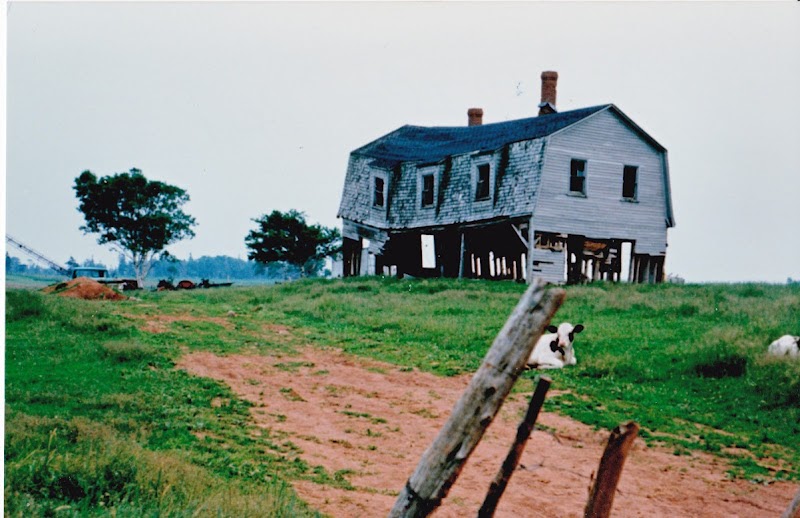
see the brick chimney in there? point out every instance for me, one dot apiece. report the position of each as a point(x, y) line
point(474, 117)
point(548, 104)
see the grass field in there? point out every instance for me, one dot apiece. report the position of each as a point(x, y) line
point(98, 421)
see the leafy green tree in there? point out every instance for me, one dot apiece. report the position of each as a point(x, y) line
point(135, 216)
point(286, 237)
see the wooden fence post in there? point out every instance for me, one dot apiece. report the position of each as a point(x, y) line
point(442, 462)
point(793, 511)
point(605, 484)
point(498, 485)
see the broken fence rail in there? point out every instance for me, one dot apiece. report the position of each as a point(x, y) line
point(498, 485)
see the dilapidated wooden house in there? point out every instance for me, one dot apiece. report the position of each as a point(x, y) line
point(568, 197)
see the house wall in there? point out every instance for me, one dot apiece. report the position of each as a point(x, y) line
point(356, 204)
point(515, 177)
point(549, 265)
point(607, 144)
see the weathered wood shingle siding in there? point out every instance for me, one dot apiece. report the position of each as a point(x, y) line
point(607, 144)
point(516, 168)
point(356, 204)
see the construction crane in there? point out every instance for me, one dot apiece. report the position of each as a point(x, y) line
point(36, 255)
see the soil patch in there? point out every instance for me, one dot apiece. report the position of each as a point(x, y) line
point(160, 323)
point(84, 288)
point(372, 422)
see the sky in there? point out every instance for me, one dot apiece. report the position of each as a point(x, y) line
point(253, 107)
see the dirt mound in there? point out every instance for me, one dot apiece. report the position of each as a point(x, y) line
point(371, 421)
point(84, 288)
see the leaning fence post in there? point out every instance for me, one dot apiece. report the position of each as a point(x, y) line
point(793, 511)
point(442, 462)
point(498, 485)
point(605, 485)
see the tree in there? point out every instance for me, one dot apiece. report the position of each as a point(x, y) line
point(288, 238)
point(135, 216)
point(14, 265)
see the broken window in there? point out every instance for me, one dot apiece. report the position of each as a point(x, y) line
point(378, 196)
point(427, 190)
point(629, 177)
point(577, 176)
point(482, 183)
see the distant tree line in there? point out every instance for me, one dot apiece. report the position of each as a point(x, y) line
point(217, 268)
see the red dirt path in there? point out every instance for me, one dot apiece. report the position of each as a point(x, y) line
point(349, 413)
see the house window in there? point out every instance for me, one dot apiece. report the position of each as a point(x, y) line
point(428, 189)
point(482, 182)
point(577, 176)
point(379, 192)
point(629, 182)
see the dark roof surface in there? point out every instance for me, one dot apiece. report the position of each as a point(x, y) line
point(428, 145)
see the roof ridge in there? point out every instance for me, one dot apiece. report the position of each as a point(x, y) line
point(411, 143)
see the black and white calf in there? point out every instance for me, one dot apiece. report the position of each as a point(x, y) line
point(787, 345)
point(554, 350)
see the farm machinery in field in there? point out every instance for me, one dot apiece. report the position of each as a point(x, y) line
point(98, 274)
point(166, 285)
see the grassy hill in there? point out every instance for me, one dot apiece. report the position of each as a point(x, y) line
point(98, 420)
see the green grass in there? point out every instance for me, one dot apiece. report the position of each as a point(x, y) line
point(100, 422)
point(689, 364)
point(686, 361)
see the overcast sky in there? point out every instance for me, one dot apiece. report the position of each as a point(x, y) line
point(253, 107)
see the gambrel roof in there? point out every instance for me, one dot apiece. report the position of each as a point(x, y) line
point(432, 144)
point(517, 149)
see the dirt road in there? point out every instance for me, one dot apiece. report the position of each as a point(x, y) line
point(371, 422)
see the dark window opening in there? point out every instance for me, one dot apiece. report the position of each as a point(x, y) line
point(482, 183)
point(378, 197)
point(427, 190)
point(577, 176)
point(629, 175)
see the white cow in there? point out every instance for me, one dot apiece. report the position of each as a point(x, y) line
point(787, 345)
point(554, 350)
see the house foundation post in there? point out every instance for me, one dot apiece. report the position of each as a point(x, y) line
point(462, 255)
point(529, 256)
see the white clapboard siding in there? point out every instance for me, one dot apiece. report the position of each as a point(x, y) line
point(549, 265)
point(607, 144)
